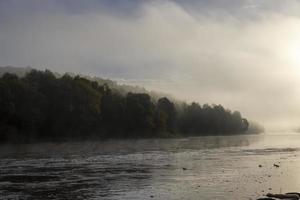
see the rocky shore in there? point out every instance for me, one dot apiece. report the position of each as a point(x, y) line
point(286, 196)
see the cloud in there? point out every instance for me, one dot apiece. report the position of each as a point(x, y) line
point(205, 51)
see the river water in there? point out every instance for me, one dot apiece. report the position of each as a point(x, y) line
point(205, 168)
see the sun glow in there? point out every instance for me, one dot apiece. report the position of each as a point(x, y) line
point(291, 55)
point(294, 54)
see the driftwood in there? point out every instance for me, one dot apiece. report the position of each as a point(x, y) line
point(286, 196)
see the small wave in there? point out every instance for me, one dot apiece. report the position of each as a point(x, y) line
point(27, 178)
point(270, 150)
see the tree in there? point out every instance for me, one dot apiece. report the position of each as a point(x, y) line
point(41, 106)
point(167, 111)
point(140, 112)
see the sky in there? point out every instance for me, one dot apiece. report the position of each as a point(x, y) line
point(243, 54)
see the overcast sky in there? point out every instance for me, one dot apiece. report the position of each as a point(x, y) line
point(243, 54)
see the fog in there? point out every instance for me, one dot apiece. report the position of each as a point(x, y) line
point(241, 54)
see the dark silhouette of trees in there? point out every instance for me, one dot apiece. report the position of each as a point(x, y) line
point(139, 113)
point(40, 106)
point(166, 114)
point(207, 120)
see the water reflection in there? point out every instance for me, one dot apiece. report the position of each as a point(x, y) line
point(210, 167)
point(124, 146)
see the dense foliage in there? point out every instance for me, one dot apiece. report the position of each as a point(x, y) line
point(40, 106)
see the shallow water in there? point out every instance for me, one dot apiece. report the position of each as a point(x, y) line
point(192, 168)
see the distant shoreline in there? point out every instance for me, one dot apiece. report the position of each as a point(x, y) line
point(41, 105)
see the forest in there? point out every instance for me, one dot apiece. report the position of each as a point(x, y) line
point(40, 106)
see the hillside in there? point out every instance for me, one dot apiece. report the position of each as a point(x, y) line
point(44, 106)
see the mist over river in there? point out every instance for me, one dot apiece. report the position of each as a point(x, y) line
point(216, 167)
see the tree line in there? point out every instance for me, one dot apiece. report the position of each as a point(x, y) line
point(41, 106)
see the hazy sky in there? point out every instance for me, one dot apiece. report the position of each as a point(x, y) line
point(243, 54)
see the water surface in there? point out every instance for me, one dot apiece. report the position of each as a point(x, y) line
point(223, 167)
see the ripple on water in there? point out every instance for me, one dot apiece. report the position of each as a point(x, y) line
point(221, 169)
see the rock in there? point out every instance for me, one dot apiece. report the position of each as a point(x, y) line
point(290, 196)
point(275, 165)
point(294, 193)
point(184, 168)
point(286, 196)
point(259, 165)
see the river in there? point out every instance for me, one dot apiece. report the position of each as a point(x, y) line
point(205, 168)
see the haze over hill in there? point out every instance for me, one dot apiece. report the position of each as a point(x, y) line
point(242, 54)
point(113, 84)
point(42, 106)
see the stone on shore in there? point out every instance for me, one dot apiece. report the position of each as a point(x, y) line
point(286, 196)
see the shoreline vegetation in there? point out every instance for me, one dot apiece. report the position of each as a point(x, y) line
point(44, 106)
